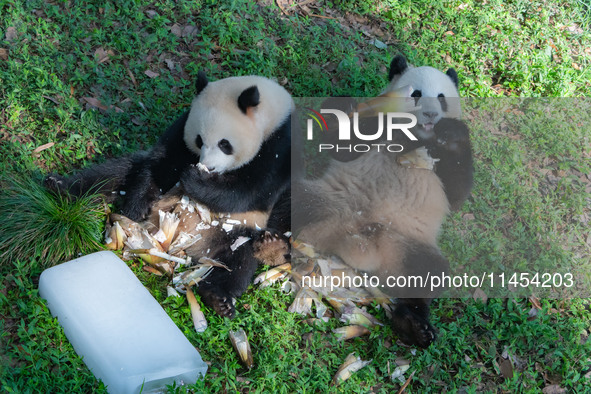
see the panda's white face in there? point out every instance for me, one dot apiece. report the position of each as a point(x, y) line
point(231, 118)
point(225, 142)
point(434, 92)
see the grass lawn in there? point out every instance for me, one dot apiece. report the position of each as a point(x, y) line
point(82, 81)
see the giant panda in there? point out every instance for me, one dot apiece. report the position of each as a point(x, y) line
point(382, 217)
point(242, 128)
point(231, 153)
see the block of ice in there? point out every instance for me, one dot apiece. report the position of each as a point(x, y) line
point(123, 335)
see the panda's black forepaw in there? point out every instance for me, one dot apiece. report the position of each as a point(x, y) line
point(198, 172)
point(198, 183)
point(136, 210)
point(221, 303)
point(54, 183)
point(272, 248)
point(412, 327)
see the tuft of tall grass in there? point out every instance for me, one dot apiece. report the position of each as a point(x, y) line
point(50, 228)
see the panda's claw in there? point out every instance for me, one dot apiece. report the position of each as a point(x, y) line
point(271, 248)
point(413, 328)
point(221, 304)
point(268, 236)
point(53, 183)
point(224, 308)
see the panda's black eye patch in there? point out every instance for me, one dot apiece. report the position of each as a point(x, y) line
point(199, 142)
point(442, 101)
point(416, 94)
point(225, 146)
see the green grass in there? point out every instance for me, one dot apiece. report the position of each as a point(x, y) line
point(530, 207)
point(531, 194)
point(45, 228)
point(517, 48)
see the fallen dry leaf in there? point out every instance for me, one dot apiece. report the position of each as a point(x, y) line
point(176, 30)
point(378, 44)
point(189, 31)
point(553, 389)
point(136, 121)
point(535, 302)
point(151, 74)
point(3, 54)
point(506, 367)
point(131, 76)
point(480, 295)
point(43, 147)
point(53, 100)
point(11, 34)
point(169, 64)
point(94, 102)
point(102, 56)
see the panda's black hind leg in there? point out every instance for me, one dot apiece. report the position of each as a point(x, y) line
point(217, 299)
point(219, 287)
point(101, 178)
point(410, 321)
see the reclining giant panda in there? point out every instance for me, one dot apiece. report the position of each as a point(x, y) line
point(382, 217)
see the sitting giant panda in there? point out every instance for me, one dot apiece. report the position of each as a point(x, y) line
point(382, 217)
point(231, 153)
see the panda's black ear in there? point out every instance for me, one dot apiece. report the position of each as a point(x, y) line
point(248, 98)
point(453, 75)
point(201, 82)
point(397, 67)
